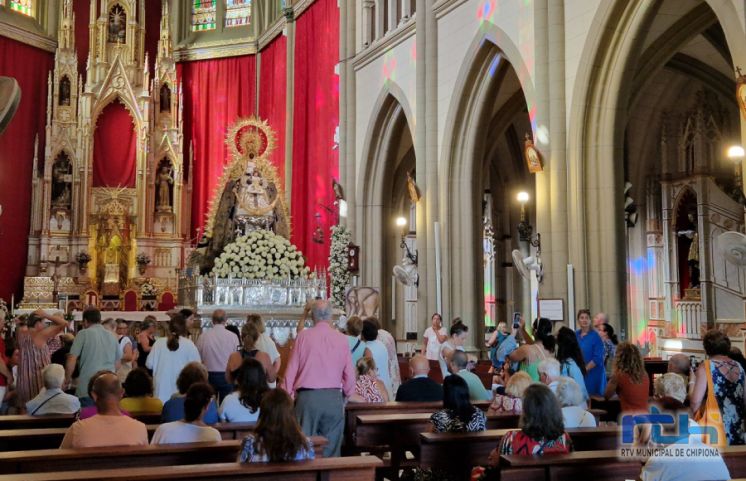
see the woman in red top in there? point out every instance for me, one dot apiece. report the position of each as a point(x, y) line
point(542, 431)
point(630, 381)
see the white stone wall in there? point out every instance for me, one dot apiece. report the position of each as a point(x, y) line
point(392, 69)
point(462, 28)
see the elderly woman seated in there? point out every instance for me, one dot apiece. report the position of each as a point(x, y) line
point(542, 431)
point(51, 399)
point(699, 462)
point(368, 387)
point(510, 402)
point(572, 400)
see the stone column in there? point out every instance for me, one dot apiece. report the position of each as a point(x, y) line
point(420, 147)
point(426, 151)
point(289, 101)
point(380, 20)
point(431, 159)
point(406, 9)
point(557, 278)
point(347, 93)
point(393, 15)
point(367, 22)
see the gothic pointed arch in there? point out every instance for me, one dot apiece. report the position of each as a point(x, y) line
point(603, 89)
point(388, 155)
point(471, 124)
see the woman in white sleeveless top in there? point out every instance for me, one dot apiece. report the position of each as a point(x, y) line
point(376, 350)
point(455, 342)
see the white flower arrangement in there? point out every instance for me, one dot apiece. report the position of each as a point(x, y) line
point(261, 254)
point(340, 275)
point(148, 290)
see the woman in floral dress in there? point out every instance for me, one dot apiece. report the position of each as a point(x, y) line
point(719, 395)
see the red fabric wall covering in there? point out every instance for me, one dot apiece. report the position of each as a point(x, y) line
point(82, 9)
point(216, 93)
point(316, 116)
point(30, 67)
point(272, 96)
point(152, 30)
point(114, 148)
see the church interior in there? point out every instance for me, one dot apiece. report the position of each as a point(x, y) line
point(485, 160)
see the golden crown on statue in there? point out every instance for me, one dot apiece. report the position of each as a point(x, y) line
point(250, 141)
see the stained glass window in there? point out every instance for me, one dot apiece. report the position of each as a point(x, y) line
point(204, 15)
point(25, 7)
point(237, 13)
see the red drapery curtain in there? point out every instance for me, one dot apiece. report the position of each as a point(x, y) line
point(114, 148)
point(82, 9)
point(29, 66)
point(316, 116)
point(152, 30)
point(216, 93)
point(272, 96)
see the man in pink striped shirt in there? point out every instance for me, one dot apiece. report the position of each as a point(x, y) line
point(320, 376)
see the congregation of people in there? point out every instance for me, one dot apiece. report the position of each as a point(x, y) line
point(110, 371)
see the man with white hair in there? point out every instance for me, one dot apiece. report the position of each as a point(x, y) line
point(51, 399)
point(549, 373)
point(319, 376)
point(670, 391)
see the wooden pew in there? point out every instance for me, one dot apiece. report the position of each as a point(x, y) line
point(399, 433)
point(735, 459)
point(47, 460)
point(596, 465)
point(25, 421)
point(353, 410)
point(51, 438)
point(459, 452)
point(359, 468)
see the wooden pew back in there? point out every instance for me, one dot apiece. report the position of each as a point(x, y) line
point(331, 469)
point(353, 410)
point(458, 452)
point(47, 460)
point(596, 465)
point(51, 438)
point(405, 429)
point(25, 421)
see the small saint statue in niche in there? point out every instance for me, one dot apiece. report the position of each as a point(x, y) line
point(64, 93)
point(117, 25)
point(165, 99)
point(61, 182)
point(692, 258)
point(164, 180)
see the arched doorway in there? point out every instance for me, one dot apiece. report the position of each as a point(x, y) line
point(657, 108)
point(389, 157)
point(484, 169)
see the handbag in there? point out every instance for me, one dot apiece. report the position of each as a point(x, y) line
point(709, 414)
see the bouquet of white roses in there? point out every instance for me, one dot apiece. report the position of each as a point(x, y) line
point(261, 254)
point(340, 274)
point(148, 290)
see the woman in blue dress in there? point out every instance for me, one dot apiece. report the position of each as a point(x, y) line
point(592, 348)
